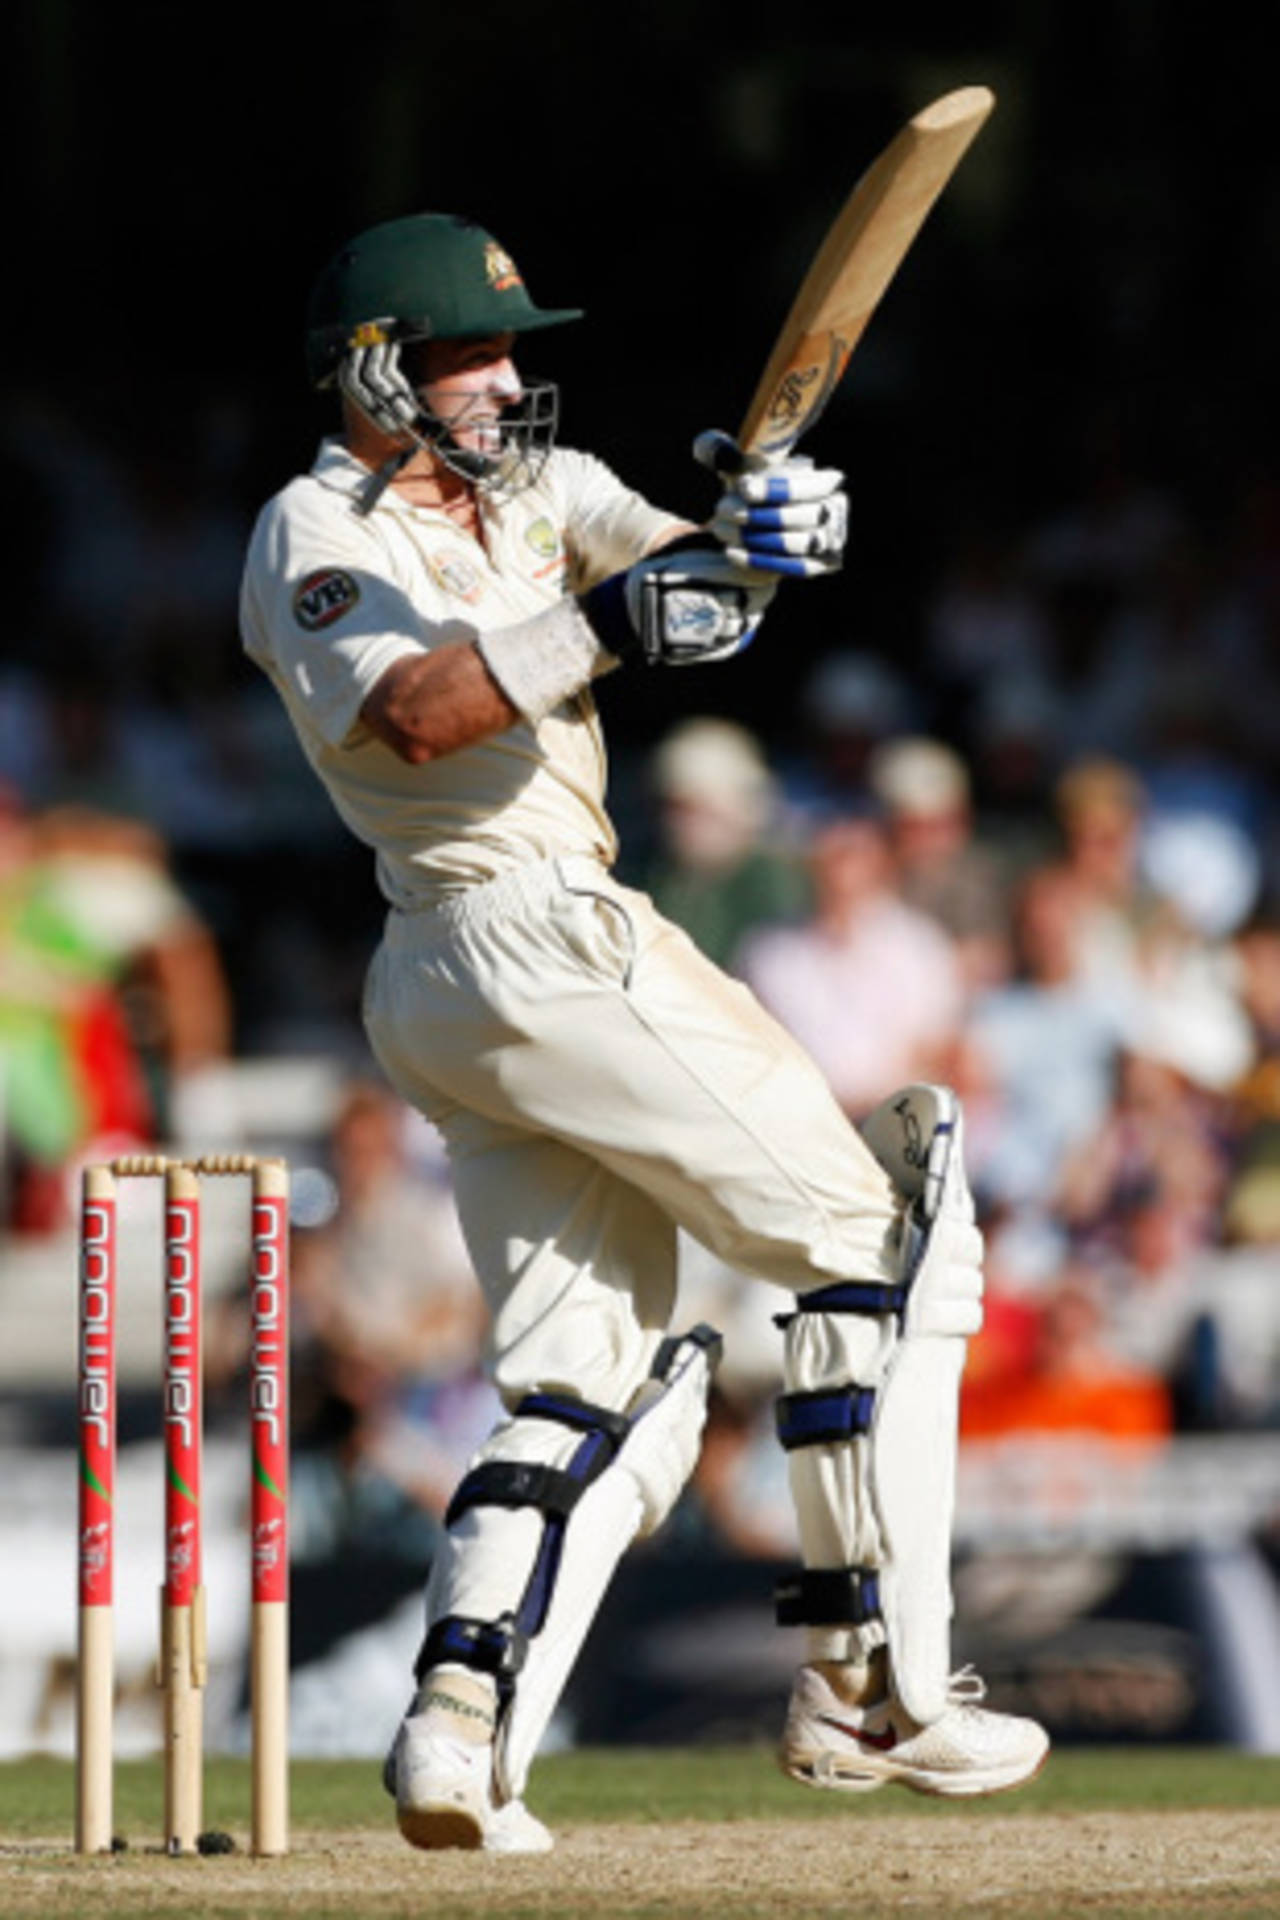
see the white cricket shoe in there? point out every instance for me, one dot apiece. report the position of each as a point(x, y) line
point(969, 1750)
point(444, 1796)
point(513, 1829)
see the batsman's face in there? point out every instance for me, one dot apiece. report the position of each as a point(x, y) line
point(467, 385)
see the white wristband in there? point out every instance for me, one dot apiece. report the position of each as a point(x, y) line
point(540, 662)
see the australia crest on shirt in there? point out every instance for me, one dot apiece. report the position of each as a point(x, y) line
point(455, 574)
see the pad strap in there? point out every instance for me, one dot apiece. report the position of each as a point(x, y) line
point(581, 1415)
point(828, 1597)
point(516, 1483)
point(848, 1296)
point(702, 1335)
point(824, 1417)
point(554, 1491)
point(499, 1647)
point(487, 1646)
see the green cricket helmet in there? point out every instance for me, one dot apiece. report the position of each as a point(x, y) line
point(429, 276)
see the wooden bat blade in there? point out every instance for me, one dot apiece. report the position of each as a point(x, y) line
point(855, 263)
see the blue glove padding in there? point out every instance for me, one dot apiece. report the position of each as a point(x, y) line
point(683, 606)
point(781, 516)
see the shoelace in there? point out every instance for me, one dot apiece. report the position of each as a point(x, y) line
point(966, 1688)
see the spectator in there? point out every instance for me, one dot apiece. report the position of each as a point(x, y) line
point(1256, 950)
point(1099, 805)
point(1172, 986)
point(923, 785)
point(1075, 1381)
point(393, 1325)
point(108, 880)
point(871, 986)
point(1164, 1136)
point(67, 1071)
point(1239, 1283)
point(1203, 862)
point(1152, 1303)
point(1041, 1051)
point(111, 988)
point(1229, 1304)
point(720, 871)
point(386, 1281)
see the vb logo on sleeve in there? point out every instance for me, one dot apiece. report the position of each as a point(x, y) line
point(323, 597)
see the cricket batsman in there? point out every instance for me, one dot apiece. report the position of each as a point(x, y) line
point(433, 602)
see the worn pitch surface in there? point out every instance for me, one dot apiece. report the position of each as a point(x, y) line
point(1036, 1864)
point(715, 1832)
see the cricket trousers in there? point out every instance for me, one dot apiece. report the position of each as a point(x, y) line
point(598, 1083)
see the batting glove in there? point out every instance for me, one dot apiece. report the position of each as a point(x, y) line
point(682, 607)
point(781, 516)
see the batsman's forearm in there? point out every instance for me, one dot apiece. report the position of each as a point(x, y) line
point(432, 704)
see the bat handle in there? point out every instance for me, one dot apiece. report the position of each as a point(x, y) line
point(721, 452)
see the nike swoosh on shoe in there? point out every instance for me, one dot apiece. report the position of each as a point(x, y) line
point(880, 1742)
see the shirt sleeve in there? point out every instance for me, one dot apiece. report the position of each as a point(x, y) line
point(608, 526)
point(322, 613)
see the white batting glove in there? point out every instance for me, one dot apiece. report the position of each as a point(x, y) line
point(780, 516)
point(684, 606)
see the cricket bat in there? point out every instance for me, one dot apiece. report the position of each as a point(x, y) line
point(853, 267)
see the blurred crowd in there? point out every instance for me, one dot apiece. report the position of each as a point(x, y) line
point(1032, 850)
point(1095, 968)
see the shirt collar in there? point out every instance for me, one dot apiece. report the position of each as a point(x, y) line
point(336, 467)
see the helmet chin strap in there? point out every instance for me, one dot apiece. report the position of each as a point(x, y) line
point(377, 483)
point(477, 469)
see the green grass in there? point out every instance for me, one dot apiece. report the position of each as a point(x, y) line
point(347, 1863)
point(653, 1785)
point(726, 1783)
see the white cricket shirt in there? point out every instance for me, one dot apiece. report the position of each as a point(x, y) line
point(330, 599)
